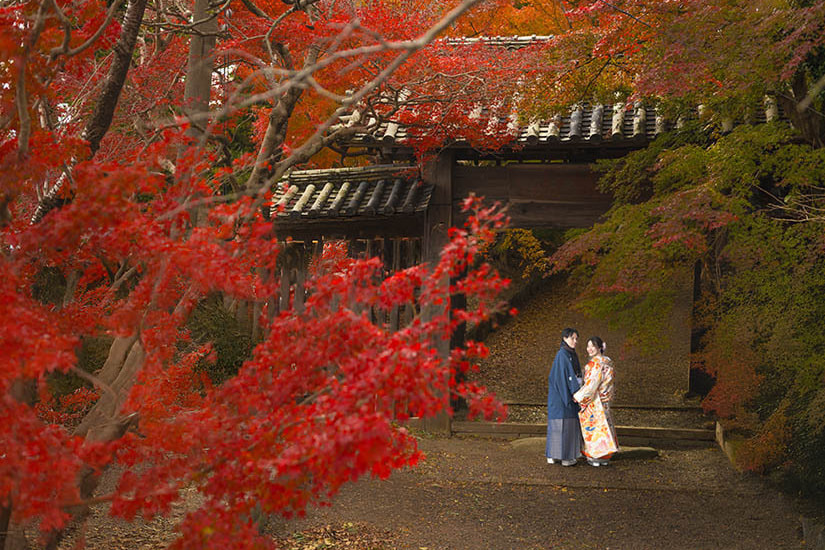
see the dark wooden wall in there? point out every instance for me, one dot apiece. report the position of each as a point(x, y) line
point(294, 260)
point(538, 195)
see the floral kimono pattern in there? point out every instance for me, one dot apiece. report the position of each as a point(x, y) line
point(595, 396)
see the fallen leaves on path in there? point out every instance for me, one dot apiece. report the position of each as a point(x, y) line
point(353, 536)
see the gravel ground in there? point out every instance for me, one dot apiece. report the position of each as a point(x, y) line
point(474, 494)
point(481, 494)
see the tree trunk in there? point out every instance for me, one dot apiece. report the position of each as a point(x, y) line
point(105, 109)
point(199, 69)
point(103, 423)
point(808, 122)
point(5, 518)
point(277, 126)
point(119, 372)
point(22, 391)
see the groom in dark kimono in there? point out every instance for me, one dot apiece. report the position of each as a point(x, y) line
point(563, 430)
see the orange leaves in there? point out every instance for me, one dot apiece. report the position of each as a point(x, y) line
point(695, 50)
point(736, 383)
point(511, 18)
point(769, 447)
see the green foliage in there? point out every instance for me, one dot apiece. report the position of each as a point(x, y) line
point(231, 340)
point(626, 266)
point(520, 255)
point(91, 355)
point(551, 238)
point(807, 472)
point(630, 179)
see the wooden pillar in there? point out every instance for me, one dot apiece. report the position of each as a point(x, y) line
point(285, 261)
point(438, 221)
point(271, 301)
point(411, 257)
point(300, 276)
point(376, 313)
point(391, 247)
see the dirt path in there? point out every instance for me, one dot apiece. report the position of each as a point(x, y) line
point(482, 494)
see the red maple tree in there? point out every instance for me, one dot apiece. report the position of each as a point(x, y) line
point(140, 146)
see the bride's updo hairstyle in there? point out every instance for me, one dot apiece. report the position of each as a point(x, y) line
point(598, 342)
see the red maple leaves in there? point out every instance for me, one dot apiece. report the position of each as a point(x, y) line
point(321, 402)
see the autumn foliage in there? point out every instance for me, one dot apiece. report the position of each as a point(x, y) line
point(724, 195)
point(738, 208)
point(320, 402)
point(135, 191)
point(141, 143)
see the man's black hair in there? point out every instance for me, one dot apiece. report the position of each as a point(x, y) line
point(568, 332)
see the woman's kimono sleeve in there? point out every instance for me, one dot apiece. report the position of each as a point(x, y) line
point(592, 381)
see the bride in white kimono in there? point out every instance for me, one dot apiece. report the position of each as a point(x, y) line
point(595, 397)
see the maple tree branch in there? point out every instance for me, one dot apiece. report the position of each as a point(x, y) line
point(409, 47)
point(318, 87)
point(104, 111)
point(94, 380)
point(627, 13)
point(192, 26)
point(300, 78)
point(64, 22)
point(277, 124)
point(86, 88)
point(250, 5)
point(594, 78)
point(282, 49)
point(566, 15)
point(121, 278)
point(64, 48)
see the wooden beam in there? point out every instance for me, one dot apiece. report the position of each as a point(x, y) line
point(549, 195)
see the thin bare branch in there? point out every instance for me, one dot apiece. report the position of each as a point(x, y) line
point(64, 48)
point(255, 9)
point(627, 13)
point(301, 78)
point(94, 380)
point(409, 47)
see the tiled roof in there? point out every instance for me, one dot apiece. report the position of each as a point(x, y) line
point(508, 42)
point(606, 125)
point(366, 192)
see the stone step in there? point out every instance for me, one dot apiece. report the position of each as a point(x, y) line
point(535, 445)
point(635, 435)
point(617, 406)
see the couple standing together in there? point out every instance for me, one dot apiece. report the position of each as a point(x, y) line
point(579, 422)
